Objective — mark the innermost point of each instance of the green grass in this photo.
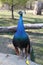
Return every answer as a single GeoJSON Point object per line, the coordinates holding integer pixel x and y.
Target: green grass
{"type": "Point", "coordinates": [7, 22]}
{"type": "Point", "coordinates": [37, 44]}
{"type": "Point", "coordinates": [5, 18]}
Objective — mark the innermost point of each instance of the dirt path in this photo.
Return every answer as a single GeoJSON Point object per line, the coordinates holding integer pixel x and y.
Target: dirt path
{"type": "Point", "coordinates": [6, 45]}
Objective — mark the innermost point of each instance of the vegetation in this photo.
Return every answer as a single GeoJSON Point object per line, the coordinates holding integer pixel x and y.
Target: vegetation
{"type": "Point", "coordinates": [13, 3]}
{"type": "Point", "coordinates": [37, 44]}
{"type": "Point", "coordinates": [5, 18]}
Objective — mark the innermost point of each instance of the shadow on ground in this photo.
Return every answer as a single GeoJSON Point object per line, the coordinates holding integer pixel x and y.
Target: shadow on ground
{"type": "Point", "coordinates": [6, 45]}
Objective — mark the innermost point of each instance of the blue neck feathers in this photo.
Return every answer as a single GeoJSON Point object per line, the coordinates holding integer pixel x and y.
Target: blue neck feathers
{"type": "Point", "coordinates": [20, 27]}
{"type": "Point", "coordinates": [20, 33]}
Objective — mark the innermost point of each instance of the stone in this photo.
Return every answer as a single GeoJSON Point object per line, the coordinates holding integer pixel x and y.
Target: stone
{"type": "Point", "coordinates": [9, 59]}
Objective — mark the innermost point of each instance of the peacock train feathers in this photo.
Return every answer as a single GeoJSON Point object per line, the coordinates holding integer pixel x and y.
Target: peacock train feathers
{"type": "Point", "coordinates": [21, 38]}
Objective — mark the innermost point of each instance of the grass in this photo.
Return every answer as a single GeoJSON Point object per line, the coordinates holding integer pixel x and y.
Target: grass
{"type": "Point", "coordinates": [5, 18]}
{"type": "Point", "coordinates": [36, 35]}
{"type": "Point", "coordinates": [37, 44]}
{"type": "Point", "coordinates": [7, 22]}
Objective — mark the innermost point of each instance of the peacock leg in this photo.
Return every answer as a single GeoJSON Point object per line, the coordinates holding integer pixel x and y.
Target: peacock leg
{"type": "Point", "coordinates": [26, 51]}
{"type": "Point", "coordinates": [16, 50]}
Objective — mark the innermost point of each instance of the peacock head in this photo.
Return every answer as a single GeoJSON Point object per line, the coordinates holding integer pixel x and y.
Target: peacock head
{"type": "Point", "coordinates": [20, 13]}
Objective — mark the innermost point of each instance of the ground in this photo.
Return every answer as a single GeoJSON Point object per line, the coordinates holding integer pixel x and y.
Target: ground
{"type": "Point", "coordinates": [6, 44]}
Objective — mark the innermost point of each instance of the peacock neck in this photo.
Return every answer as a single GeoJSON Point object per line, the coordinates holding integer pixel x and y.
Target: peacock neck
{"type": "Point", "coordinates": [20, 33]}
{"type": "Point", "coordinates": [20, 27]}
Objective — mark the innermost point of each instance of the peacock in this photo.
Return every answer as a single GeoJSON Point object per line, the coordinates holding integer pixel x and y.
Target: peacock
{"type": "Point", "coordinates": [21, 39]}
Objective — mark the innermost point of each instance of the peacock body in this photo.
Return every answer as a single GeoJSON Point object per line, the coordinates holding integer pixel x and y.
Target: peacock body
{"type": "Point", "coordinates": [21, 38]}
